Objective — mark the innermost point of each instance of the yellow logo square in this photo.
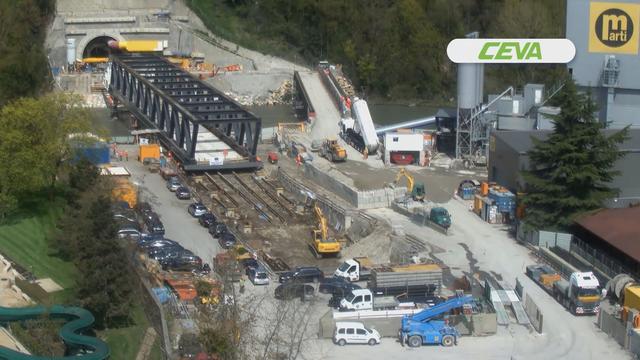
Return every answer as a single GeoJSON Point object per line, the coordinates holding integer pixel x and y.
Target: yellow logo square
{"type": "Point", "coordinates": [614, 27]}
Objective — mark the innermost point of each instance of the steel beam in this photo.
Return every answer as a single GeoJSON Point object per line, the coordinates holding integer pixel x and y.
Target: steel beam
{"type": "Point", "coordinates": [176, 103]}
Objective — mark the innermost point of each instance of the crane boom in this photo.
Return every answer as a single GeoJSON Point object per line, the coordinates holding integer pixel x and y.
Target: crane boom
{"type": "Point", "coordinates": [441, 308]}
{"type": "Point", "coordinates": [410, 180]}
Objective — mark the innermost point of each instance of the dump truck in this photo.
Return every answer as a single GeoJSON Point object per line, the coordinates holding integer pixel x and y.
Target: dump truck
{"type": "Point", "coordinates": [580, 295]}
{"type": "Point", "coordinates": [428, 328]}
{"type": "Point", "coordinates": [332, 151]}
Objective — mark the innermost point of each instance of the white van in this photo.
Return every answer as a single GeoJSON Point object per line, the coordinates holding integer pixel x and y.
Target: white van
{"type": "Point", "coordinates": [355, 333]}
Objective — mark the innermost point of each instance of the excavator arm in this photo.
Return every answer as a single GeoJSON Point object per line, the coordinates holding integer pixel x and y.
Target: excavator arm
{"type": "Point", "coordinates": [322, 223]}
{"type": "Point", "coordinates": [410, 180]}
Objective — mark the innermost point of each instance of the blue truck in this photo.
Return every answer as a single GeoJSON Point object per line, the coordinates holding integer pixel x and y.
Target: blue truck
{"type": "Point", "coordinates": [423, 328]}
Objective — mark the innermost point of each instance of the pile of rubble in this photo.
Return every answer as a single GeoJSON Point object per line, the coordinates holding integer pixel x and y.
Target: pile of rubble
{"type": "Point", "coordinates": [346, 86]}
{"type": "Point", "coordinates": [94, 101]}
{"type": "Point", "coordinates": [282, 95]}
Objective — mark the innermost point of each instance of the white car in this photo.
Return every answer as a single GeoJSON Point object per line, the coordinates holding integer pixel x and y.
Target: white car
{"type": "Point", "coordinates": [258, 276]}
{"type": "Point", "coordinates": [355, 333]}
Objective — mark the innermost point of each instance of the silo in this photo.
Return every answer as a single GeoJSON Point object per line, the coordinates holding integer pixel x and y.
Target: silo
{"type": "Point", "coordinates": [71, 51]}
{"type": "Point", "coordinates": [467, 86]}
{"type": "Point", "coordinates": [479, 83]}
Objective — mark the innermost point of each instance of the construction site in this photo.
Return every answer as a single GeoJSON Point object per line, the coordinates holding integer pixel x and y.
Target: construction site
{"type": "Point", "coordinates": [408, 234]}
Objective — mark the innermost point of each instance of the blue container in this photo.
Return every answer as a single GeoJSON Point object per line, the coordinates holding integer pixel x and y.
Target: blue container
{"type": "Point", "coordinates": [97, 154]}
{"type": "Point", "coordinates": [467, 193]}
{"type": "Point", "coordinates": [505, 201]}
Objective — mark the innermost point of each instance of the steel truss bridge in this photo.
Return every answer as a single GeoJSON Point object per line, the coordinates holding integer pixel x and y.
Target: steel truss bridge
{"type": "Point", "coordinates": [204, 129]}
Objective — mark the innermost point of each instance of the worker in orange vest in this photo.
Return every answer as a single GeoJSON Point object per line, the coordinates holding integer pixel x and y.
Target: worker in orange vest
{"type": "Point", "coordinates": [299, 160]}
{"type": "Point", "coordinates": [365, 154]}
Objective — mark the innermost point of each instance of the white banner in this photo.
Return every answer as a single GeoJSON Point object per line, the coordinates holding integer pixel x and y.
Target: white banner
{"type": "Point", "coordinates": [542, 51]}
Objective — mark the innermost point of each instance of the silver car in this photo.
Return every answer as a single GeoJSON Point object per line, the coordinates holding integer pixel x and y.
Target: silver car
{"type": "Point", "coordinates": [173, 183]}
{"type": "Point", "coordinates": [258, 276]}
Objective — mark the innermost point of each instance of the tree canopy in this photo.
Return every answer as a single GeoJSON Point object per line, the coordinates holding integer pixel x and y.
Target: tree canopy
{"type": "Point", "coordinates": [391, 49]}
{"type": "Point", "coordinates": [571, 171]}
{"type": "Point", "coordinates": [34, 141]}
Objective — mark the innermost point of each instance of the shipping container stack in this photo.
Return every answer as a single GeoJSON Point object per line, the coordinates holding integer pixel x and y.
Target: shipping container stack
{"type": "Point", "coordinates": [495, 204]}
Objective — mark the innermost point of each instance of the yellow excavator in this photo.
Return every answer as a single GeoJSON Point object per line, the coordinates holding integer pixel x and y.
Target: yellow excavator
{"type": "Point", "coordinates": [323, 245]}
{"type": "Point", "coordinates": [415, 189]}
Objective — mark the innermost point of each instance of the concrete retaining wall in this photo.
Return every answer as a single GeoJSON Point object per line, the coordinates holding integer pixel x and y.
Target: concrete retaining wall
{"type": "Point", "coordinates": [534, 313]}
{"type": "Point", "coordinates": [359, 199]}
{"type": "Point", "coordinates": [613, 327]}
{"type": "Point", "coordinates": [338, 217]}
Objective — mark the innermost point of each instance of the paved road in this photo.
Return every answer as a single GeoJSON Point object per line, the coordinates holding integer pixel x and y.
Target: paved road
{"type": "Point", "coordinates": [327, 114]}
{"type": "Point", "coordinates": [179, 225]}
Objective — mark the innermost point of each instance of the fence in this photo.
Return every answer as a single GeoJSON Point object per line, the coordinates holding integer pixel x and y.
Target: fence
{"type": "Point", "coordinates": [547, 239]}
{"type": "Point", "coordinates": [601, 261]}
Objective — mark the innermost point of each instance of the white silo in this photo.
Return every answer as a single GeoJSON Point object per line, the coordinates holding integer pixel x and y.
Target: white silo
{"type": "Point", "coordinates": [71, 51]}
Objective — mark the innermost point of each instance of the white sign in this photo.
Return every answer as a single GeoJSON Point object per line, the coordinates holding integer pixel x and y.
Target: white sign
{"type": "Point", "coordinates": [216, 159]}
{"type": "Point", "coordinates": [144, 141]}
{"type": "Point", "coordinates": [542, 51]}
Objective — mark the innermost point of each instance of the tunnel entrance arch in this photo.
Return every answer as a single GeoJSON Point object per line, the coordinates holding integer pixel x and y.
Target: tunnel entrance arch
{"type": "Point", "coordinates": [98, 47]}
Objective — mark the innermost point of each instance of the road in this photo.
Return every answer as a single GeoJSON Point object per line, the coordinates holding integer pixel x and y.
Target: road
{"type": "Point", "coordinates": [327, 114]}
{"type": "Point", "coordinates": [179, 225]}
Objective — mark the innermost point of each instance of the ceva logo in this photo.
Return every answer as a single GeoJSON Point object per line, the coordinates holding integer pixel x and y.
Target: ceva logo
{"type": "Point", "coordinates": [511, 50]}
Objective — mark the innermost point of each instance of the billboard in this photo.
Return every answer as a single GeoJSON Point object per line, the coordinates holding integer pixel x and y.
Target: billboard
{"type": "Point", "coordinates": [614, 27]}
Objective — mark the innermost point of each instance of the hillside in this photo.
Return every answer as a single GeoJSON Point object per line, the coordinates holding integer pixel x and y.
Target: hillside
{"type": "Point", "coordinates": [391, 49]}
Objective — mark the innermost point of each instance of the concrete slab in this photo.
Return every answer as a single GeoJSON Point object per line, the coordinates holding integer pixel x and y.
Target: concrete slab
{"type": "Point", "coordinates": [48, 285]}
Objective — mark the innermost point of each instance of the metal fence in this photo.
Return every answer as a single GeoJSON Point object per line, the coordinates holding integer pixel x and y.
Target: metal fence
{"type": "Point", "coordinates": [599, 260]}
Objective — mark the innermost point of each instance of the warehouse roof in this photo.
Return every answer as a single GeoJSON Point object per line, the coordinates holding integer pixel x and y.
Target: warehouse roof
{"type": "Point", "coordinates": [617, 227]}
{"type": "Point", "coordinates": [521, 142]}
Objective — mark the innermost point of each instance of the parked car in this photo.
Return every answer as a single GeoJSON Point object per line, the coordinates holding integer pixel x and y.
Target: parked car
{"type": "Point", "coordinates": [348, 332]}
{"type": "Point", "coordinates": [197, 209]}
{"type": "Point", "coordinates": [166, 254]}
{"type": "Point", "coordinates": [146, 238]}
{"type": "Point", "coordinates": [336, 284]}
{"type": "Point", "coordinates": [126, 224]}
{"type": "Point", "coordinates": [207, 219]}
{"type": "Point", "coordinates": [294, 290]}
{"type": "Point", "coordinates": [144, 208]}
{"type": "Point", "coordinates": [248, 264]}
{"type": "Point", "coordinates": [183, 193]}
{"type": "Point", "coordinates": [132, 234]}
{"type": "Point", "coordinates": [218, 229]}
{"type": "Point", "coordinates": [158, 244]}
{"type": "Point", "coordinates": [227, 240]}
{"type": "Point", "coordinates": [258, 275]}
{"type": "Point", "coordinates": [183, 261]}
{"type": "Point", "coordinates": [302, 274]}
{"type": "Point", "coordinates": [153, 224]}
{"type": "Point", "coordinates": [173, 183]}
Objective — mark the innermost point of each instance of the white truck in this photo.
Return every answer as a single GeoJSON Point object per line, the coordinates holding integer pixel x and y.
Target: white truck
{"type": "Point", "coordinates": [356, 269]}
{"type": "Point", "coordinates": [363, 299]}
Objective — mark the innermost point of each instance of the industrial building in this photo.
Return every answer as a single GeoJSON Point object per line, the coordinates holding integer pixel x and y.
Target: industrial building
{"type": "Point", "coordinates": [605, 34]}
{"type": "Point", "coordinates": [508, 158]}
{"type": "Point", "coordinates": [404, 148]}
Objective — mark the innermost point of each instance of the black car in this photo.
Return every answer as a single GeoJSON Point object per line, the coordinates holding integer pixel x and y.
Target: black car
{"type": "Point", "coordinates": [207, 219]}
{"type": "Point", "coordinates": [126, 224]}
{"type": "Point", "coordinates": [146, 238]}
{"type": "Point", "coordinates": [294, 290]}
{"type": "Point", "coordinates": [183, 261]}
{"type": "Point", "coordinates": [153, 224]}
{"type": "Point", "coordinates": [336, 284]}
{"type": "Point", "coordinates": [165, 255]}
{"type": "Point", "coordinates": [158, 244]}
{"type": "Point", "coordinates": [227, 240]}
{"type": "Point", "coordinates": [248, 264]}
{"type": "Point", "coordinates": [218, 229]}
{"type": "Point", "coordinates": [144, 208]}
{"type": "Point", "coordinates": [183, 193]}
{"type": "Point", "coordinates": [302, 274]}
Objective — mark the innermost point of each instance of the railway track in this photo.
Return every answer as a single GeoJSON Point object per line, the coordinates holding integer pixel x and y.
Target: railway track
{"type": "Point", "coordinates": [276, 210]}
{"type": "Point", "coordinates": [272, 194]}
{"type": "Point", "coordinates": [222, 191]}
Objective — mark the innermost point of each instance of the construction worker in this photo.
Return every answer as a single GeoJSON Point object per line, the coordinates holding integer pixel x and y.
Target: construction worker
{"type": "Point", "coordinates": [365, 153]}
{"type": "Point", "coordinates": [126, 155]}
{"type": "Point", "coordinates": [298, 160]}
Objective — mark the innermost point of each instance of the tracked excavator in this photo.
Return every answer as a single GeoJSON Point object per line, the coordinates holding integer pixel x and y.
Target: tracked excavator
{"type": "Point", "coordinates": [322, 245]}
{"type": "Point", "coordinates": [415, 189]}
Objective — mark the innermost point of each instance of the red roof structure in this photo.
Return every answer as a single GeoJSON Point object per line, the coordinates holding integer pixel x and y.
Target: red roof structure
{"type": "Point", "coordinates": [619, 228]}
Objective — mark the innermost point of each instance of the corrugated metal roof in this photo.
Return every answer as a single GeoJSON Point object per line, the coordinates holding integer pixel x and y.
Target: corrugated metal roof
{"type": "Point", "coordinates": [618, 227]}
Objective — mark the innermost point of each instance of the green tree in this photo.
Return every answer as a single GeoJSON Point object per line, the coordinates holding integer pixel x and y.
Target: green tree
{"type": "Point", "coordinates": [571, 171]}
{"type": "Point", "coordinates": [34, 143]}
{"type": "Point", "coordinates": [105, 285]}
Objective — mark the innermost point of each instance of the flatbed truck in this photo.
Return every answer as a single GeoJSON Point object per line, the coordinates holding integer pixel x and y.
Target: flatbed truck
{"type": "Point", "coordinates": [580, 295]}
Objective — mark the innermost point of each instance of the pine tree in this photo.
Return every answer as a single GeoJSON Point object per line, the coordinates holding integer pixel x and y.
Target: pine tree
{"type": "Point", "coordinates": [572, 170]}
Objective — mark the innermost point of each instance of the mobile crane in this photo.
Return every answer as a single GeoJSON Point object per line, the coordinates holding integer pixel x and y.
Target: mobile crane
{"type": "Point", "coordinates": [422, 328]}
{"type": "Point", "coordinates": [322, 244]}
{"type": "Point", "coordinates": [415, 189]}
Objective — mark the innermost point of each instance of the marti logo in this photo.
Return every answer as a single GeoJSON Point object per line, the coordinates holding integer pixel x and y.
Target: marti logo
{"type": "Point", "coordinates": [614, 27]}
